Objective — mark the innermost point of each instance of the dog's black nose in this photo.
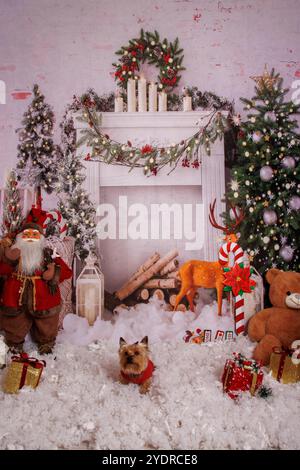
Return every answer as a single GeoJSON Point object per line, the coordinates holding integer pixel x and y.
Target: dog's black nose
{"type": "Point", "coordinates": [129, 359]}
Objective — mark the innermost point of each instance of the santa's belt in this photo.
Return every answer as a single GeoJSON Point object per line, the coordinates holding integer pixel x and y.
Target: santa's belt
{"type": "Point", "coordinates": [25, 285]}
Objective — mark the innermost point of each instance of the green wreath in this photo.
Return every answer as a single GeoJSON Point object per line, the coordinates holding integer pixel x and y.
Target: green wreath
{"type": "Point", "coordinates": [167, 56]}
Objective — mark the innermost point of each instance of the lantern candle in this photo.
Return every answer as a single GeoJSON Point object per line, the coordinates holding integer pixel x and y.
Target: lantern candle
{"type": "Point", "coordinates": [118, 102]}
{"type": "Point", "coordinates": [187, 102]}
{"type": "Point", "coordinates": [142, 94]}
{"type": "Point", "coordinates": [90, 291]}
{"type": "Point", "coordinates": [131, 96]}
{"type": "Point", "coordinates": [152, 97]}
{"type": "Point", "coordinates": [162, 101]}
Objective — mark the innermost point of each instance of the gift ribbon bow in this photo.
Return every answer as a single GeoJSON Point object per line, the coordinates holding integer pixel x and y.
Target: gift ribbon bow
{"type": "Point", "coordinates": [249, 364]}
{"type": "Point", "coordinates": [31, 361]}
{"type": "Point", "coordinates": [284, 353]}
{"type": "Point", "coordinates": [27, 361]}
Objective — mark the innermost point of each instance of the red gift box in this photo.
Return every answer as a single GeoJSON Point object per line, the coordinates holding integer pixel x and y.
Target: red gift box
{"type": "Point", "coordinates": [241, 375]}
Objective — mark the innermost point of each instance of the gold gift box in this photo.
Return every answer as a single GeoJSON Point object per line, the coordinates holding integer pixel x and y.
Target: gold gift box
{"type": "Point", "coordinates": [12, 382]}
{"type": "Point", "coordinates": [283, 368]}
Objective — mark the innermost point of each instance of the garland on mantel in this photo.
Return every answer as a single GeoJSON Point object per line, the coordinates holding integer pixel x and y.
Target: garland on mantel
{"type": "Point", "coordinates": [149, 157]}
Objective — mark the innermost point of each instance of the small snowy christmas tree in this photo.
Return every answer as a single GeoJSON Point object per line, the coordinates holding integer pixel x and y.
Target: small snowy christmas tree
{"type": "Point", "coordinates": [12, 213]}
{"type": "Point", "coordinates": [74, 203]}
{"type": "Point", "coordinates": [37, 154]}
{"type": "Point", "coordinates": [266, 179]}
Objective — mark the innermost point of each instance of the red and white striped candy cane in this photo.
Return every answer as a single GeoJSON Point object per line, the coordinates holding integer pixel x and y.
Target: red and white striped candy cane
{"type": "Point", "coordinates": [230, 247]}
{"type": "Point", "coordinates": [56, 215]}
{"type": "Point", "coordinates": [239, 315]}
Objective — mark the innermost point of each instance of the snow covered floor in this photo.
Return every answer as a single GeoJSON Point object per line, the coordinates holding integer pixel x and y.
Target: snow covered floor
{"type": "Point", "coordinates": [80, 404]}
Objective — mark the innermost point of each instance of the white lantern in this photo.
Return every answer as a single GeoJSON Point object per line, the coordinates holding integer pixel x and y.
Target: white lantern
{"type": "Point", "coordinates": [90, 291]}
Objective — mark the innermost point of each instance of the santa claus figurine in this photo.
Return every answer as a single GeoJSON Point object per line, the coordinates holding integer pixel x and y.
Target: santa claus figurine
{"type": "Point", "coordinates": [30, 298]}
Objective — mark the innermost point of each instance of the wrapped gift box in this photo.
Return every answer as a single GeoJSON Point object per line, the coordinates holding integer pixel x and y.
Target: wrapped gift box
{"type": "Point", "coordinates": [241, 375]}
{"type": "Point", "coordinates": [23, 371]}
{"type": "Point", "coordinates": [284, 366]}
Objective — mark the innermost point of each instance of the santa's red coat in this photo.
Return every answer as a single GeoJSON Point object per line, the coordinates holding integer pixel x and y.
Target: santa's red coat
{"type": "Point", "coordinates": [44, 300]}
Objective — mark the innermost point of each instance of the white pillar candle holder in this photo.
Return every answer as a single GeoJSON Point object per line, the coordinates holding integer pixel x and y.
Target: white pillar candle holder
{"type": "Point", "coordinates": [162, 101]}
{"type": "Point", "coordinates": [152, 97]}
{"type": "Point", "coordinates": [131, 95]}
{"type": "Point", "coordinates": [119, 103]}
{"type": "Point", "coordinates": [142, 94]}
{"type": "Point", "coordinates": [187, 103]}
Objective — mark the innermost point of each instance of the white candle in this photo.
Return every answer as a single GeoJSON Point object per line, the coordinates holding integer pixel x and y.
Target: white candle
{"type": "Point", "coordinates": [119, 104]}
{"type": "Point", "coordinates": [142, 94]}
{"type": "Point", "coordinates": [90, 304]}
{"type": "Point", "coordinates": [187, 103]}
{"type": "Point", "coordinates": [162, 101]}
{"type": "Point", "coordinates": [152, 97]}
{"type": "Point", "coordinates": [131, 96]}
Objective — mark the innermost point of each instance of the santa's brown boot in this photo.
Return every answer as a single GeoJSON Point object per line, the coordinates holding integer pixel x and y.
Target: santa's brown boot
{"type": "Point", "coordinates": [46, 348]}
{"type": "Point", "coordinates": [14, 348]}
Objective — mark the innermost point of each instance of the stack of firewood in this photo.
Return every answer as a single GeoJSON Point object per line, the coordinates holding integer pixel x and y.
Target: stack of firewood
{"type": "Point", "coordinates": [156, 277]}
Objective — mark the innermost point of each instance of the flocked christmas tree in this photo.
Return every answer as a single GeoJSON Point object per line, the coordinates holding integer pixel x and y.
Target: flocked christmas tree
{"type": "Point", "coordinates": [12, 213]}
{"type": "Point", "coordinates": [265, 182]}
{"type": "Point", "coordinates": [37, 153]}
{"type": "Point", "coordinates": [74, 203]}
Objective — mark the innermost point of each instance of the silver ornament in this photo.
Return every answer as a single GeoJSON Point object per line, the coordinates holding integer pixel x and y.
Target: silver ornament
{"type": "Point", "coordinates": [288, 162]}
{"type": "Point", "coordinates": [256, 136]}
{"type": "Point", "coordinates": [266, 173]}
{"type": "Point", "coordinates": [286, 253]}
{"type": "Point", "coordinates": [269, 217]}
{"type": "Point", "coordinates": [294, 203]}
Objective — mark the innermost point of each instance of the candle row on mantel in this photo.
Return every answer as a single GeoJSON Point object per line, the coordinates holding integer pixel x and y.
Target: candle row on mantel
{"type": "Point", "coordinates": [139, 101]}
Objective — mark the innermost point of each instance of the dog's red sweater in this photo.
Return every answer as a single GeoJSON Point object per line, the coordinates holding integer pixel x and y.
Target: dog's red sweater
{"type": "Point", "coordinates": [140, 379]}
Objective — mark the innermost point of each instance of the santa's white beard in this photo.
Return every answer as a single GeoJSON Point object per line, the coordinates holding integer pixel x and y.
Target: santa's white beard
{"type": "Point", "coordinates": [32, 254]}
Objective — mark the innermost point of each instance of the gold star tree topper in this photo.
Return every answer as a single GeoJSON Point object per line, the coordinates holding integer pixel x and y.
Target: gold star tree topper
{"type": "Point", "coordinates": [265, 80]}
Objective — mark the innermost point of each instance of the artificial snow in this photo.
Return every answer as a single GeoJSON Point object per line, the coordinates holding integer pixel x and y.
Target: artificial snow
{"type": "Point", "coordinates": [80, 403]}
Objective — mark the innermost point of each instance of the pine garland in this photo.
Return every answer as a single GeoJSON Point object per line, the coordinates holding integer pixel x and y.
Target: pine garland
{"type": "Point", "coordinates": [151, 158]}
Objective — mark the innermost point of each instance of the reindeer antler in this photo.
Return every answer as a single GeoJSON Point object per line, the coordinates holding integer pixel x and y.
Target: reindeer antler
{"type": "Point", "coordinates": [212, 218]}
{"type": "Point", "coordinates": [238, 218]}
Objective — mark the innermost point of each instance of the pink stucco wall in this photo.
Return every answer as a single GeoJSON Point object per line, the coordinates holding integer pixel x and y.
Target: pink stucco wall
{"type": "Point", "coordinates": [68, 45]}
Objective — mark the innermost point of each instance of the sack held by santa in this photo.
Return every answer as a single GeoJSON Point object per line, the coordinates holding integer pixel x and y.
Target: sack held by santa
{"type": "Point", "coordinates": [30, 299]}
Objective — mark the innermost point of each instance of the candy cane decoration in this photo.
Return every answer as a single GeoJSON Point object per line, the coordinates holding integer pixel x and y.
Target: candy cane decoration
{"type": "Point", "coordinates": [56, 215]}
{"type": "Point", "coordinates": [231, 247]}
{"type": "Point", "coordinates": [239, 314]}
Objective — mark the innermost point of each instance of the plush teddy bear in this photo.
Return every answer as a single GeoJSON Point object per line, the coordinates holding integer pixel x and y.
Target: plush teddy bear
{"type": "Point", "coordinates": [279, 325]}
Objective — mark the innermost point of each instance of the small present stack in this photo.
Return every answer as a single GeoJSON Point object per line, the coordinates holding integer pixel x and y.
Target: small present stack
{"type": "Point", "coordinates": [285, 365]}
{"type": "Point", "coordinates": [241, 375]}
{"type": "Point", "coordinates": [23, 371]}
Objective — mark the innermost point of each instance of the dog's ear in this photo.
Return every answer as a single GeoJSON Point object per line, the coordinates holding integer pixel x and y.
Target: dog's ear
{"type": "Point", "coordinates": [122, 342]}
{"type": "Point", "coordinates": [145, 341]}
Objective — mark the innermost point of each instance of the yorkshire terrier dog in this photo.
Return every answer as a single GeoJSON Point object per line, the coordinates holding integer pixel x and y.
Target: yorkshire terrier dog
{"type": "Point", "coordinates": [136, 366]}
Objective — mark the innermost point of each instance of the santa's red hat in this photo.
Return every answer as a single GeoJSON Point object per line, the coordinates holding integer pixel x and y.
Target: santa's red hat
{"type": "Point", "coordinates": [35, 219]}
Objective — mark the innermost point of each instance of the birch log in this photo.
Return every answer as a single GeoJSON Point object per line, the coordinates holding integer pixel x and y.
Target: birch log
{"type": "Point", "coordinates": [161, 283]}
{"type": "Point", "coordinates": [130, 287]}
{"type": "Point", "coordinates": [146, 265]}
{"type": "Point", "coordinates": [172, 266]}
{"type": "Point", "coordinates": [159, 294]}
{"type": "Point", "coordinates": [172, 299]}
{"type": "Point", "coordinates": [142, 294]}
{"type": "Point", "coordinates": [173, 275]}
{"type": "Point", "coordinates": [181, 308]}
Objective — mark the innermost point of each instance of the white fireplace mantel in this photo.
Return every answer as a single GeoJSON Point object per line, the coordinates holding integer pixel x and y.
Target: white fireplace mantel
{"type": "Point", "coordinates": [162, 129]}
